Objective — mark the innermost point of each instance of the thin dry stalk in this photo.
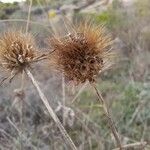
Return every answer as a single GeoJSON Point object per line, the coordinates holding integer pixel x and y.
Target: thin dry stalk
{"type": "Point", "coordinates": [79, 92]}
{"type": "Point", "coordinates": [136, 112]}
{"type": "Point", "coordinates": [20, 133]}
{"type": "Point", "coordinates": [19, 105]}
{"type": "Point", "coordinates": [63, 99]}
{"type": "Point", "coordinates": [109, 118]}
{"type": "Point", "coordinates": [47, 16]}
{"type": "Point", "coordinates": [133, 145]}
{"type": "Point", "coordinates": [51, 111]}
{"type": "Point", "coordinates": [22, 105]}
{"type": "Point", "coordinates": [22, 79]}
{"type": "Point", "coordinates": [23, 20]}
{"type": "Point", "coordinates": [29, 15]}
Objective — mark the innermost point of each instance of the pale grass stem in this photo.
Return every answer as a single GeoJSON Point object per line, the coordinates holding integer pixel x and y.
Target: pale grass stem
{"type": "Point", "coordinates": [29, 16]}
{"type": "Point", "coordinates": [109, 118]}
{"type": "Point", "coordinates": [21, 135]}
{"type": "Point", "coordinates": [22, 104]}
{"type": "Point", "coordinates": [51, 111]}
{"type": "Point", "coordinates": [63, 99]}
{"type": "Point", "coordinates": [23, 74]}
{"type": "Point", "coordinates": [134, 145]}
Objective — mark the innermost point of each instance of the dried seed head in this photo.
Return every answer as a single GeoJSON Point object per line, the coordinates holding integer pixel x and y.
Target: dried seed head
{"type": "Point", "coordinates": [82, 55]}
{"type": "Point", "coordinates": [17, 51]}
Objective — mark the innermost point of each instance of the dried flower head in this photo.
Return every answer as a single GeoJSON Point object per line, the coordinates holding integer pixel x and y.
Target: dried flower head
{"type": "Point", "coordinates": [17, 51]}
{"type": "Point", "coordinates": [82, 55]}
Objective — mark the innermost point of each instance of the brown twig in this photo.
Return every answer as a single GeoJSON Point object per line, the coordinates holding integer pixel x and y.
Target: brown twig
{"type": "Point", "coordinates": [109, 118]}
{"type": "Point", "coordinates": [51, 111]}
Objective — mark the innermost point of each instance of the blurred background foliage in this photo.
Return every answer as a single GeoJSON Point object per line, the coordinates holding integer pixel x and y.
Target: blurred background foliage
{"type": "Point", "coordinates": [7, 9]}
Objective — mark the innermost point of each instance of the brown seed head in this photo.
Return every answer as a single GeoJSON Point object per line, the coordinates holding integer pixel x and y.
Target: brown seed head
{"type": "Point", "coordinates": [17, 51]}
{"type": "Point", "coordinates": [82, 55]}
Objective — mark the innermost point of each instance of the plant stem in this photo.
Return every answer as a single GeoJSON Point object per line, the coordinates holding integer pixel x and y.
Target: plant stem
{"type": "Point", "coordinates": [63, 99]}
{"type": "Point", "coordinates": [29, 15]}
{"type": "Point", "coordinates": [22, 105]}
{"type": "Point", "coordinates": [51, 111]}
{"type": "Point", "coordinates": [22, 81]}
{"type": "Point", "coordinates": [134, 145]}
{"type": "Point", "coordinates": [109, 118]}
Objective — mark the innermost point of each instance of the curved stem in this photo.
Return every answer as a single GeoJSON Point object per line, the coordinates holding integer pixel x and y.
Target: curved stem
{"type": "Point", "coordinates": [109, 118]}
{"type": "Point", "coordinates": [51, 111]}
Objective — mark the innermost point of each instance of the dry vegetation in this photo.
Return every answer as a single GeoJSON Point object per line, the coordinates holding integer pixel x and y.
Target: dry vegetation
{"type": "Point", "coordinates": [26, 124]}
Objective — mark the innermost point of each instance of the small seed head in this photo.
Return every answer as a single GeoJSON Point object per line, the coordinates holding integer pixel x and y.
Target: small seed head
{"type": "Point", "coordinates": [17, 51]}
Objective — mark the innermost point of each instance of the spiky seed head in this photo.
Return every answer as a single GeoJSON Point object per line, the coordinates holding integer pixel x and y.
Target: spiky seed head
{"type": "Point", "coordinates": [82, 55]}
{"type": "Point", "coordinates": [17, 51]}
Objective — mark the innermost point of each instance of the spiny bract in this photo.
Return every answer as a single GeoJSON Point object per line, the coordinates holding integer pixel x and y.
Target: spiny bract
{"type": "Point", "coordinates": [82, 55]}
{"type": "Point", "coordinates": [17, 51]}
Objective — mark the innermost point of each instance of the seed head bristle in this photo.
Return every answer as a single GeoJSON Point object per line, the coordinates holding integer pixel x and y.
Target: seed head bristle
{"type": "Point", "coordinates": [17, 51]}
{"type": "Point", "coordinates": [81, 56]}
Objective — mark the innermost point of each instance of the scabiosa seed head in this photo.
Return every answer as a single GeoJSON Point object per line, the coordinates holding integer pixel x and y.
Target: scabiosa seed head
{"type": "Point", "coordinates": [82, 55]}
{"type": "Point", "coordinates": [17, 51]}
